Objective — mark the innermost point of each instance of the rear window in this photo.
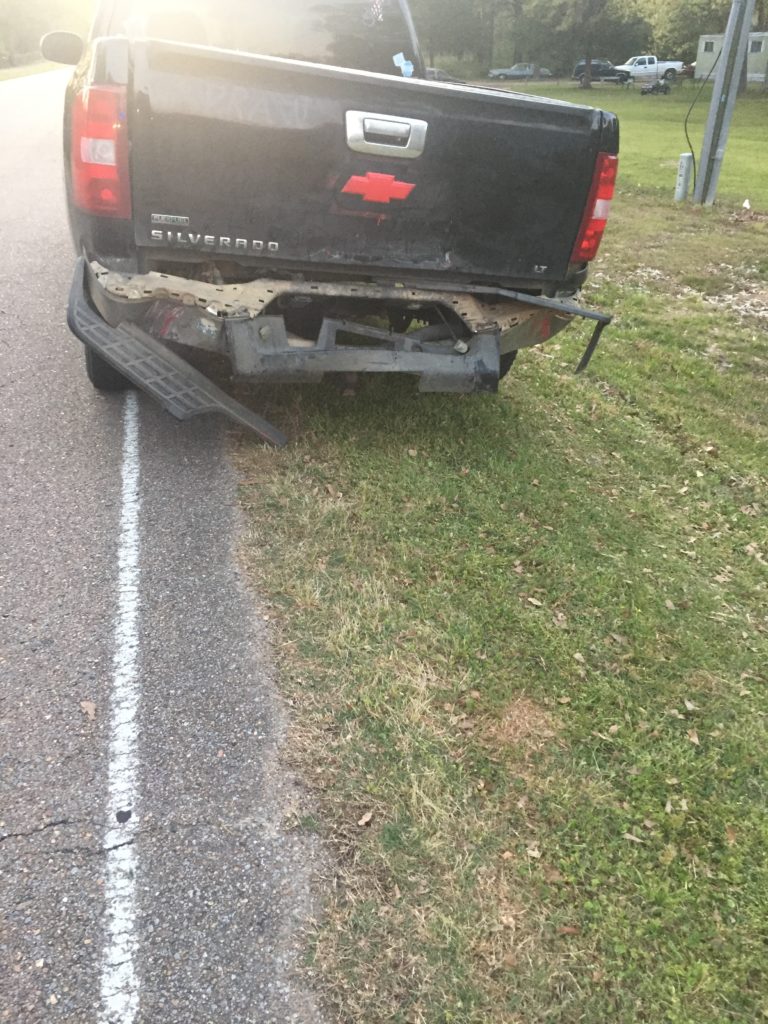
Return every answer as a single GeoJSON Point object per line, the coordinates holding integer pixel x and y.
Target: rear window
{"type": "Point", "coordinates": [367, 35]}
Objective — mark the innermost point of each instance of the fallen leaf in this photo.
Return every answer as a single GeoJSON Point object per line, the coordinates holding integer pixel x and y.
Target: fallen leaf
{"type": "Point", "coordinates": [669, 605]}
{"type": "Point", "coordinates": [730, 835]}
{"type": "Point", "coordinates": [690, 706]}
{"type": "Point", "coordinates": [569, 929]}
{"type": "Point", "coordinates": [535, 602]}
{"type": "Point", "coordinates": [613, 730]}
{"type": "Point", "coordinates": [52, 999]}
{"type": "Point", "coordinates": [366, 819]}
{"type": "Point", "coordinates": [39, 963]}
{"type": "Point", "coordinates": [563, 700]}
{"type": "Point", "coordinates": [413, 452]}
{"type": "Point", "coordinates": [507, 855]}
{"type": "Point", "coordinates": [633, 839]}
{"type": "Point", "coordinates": [534, 852]}
{"type": "Point", "coordinates": [693, 736]}
{"type": "Point", "coordinates": [88, 708]}
{"type": "Point", "coordinates": [553, 876]}
{"type": "Point", "coordinates": [579, 657]}
{"type": "Point", "coordinates": [398, 894]}
{"type": "Point", "coordinates": [668, 806]}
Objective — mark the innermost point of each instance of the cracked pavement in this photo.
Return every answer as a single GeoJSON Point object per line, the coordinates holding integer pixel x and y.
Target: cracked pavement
{"type": "Point", "coordinates": [224, 889]}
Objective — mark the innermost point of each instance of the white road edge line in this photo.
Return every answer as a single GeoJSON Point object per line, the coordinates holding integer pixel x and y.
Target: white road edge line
{"type": "Point", "coordinates": [119, 978]}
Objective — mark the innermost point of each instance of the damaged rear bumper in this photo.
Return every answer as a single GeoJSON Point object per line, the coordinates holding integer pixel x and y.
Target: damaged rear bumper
{"type": "Point", "coordinates": [459, 349]}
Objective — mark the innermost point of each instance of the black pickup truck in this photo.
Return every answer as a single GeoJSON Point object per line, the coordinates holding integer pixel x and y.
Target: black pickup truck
{"type": "Point", "coordinates": [282, 184]}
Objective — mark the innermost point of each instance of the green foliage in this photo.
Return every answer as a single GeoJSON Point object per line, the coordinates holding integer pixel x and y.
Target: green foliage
{"type": "Point", "coordinates": [677, 24]}
{"type": "Point", "coordinates": [555, 33]}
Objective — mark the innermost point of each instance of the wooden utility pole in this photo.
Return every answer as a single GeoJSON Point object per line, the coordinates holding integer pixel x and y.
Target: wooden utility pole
{"type": "Point", "coordinates": [732, 57]}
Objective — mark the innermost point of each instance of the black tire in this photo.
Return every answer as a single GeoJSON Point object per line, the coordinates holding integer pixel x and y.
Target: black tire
{"type": "Point", "coordinates": [670, 75]}
{"type": "Point", "coordinates": [102, 375]}
{"type": "Point", "coordinates": [506, 360]}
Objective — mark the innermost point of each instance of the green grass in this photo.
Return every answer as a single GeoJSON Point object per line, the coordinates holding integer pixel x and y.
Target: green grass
{"type": "Point", "coordinates": [27, 69]}
{"type": "Point", "coordinates": [652, 136]}
{"type": "Point", "coordinates": [528, 635]}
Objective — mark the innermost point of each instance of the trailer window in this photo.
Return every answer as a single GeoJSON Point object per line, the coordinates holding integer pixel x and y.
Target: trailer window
{"type": "Point", "coordinates": [367, 35]}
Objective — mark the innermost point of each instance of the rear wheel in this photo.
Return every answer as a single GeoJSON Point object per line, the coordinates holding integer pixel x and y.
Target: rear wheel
{"type": "Point", "coordinates": [502, 78]}
{"type": "Point", "coordinates": [506, 359]}
{"type": "Point", "coordinates": [670, 74]}
{"type": "Point", "coordinates": [102, 374]}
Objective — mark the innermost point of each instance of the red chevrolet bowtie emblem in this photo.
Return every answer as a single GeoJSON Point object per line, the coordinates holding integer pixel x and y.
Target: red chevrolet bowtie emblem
{"type": "Point", "coordinates": [378, 188]}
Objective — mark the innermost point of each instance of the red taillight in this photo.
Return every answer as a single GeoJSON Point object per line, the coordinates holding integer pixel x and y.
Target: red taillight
{"type": "Point", "coordinates": [99, 156]}
{"type": "Point", "coordinates": [597, 210]}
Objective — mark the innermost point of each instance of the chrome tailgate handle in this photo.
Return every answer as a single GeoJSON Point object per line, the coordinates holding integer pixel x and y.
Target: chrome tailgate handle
{"type": "Point", "coordinates": [386, 135]}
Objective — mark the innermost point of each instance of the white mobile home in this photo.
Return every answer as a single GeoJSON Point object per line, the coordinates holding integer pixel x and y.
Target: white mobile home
{"type": "Point", "coordinates": [757, 56]}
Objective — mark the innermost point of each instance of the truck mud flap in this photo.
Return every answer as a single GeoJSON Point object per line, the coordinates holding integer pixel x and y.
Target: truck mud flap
{"type": "Point", "coordinates": [179, 388]}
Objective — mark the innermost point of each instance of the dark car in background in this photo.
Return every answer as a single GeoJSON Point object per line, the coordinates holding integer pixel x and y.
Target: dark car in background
{"type": "Point", "coordinates": [603, 70]}
{"type": "Point", "coordinates": [520, 71]}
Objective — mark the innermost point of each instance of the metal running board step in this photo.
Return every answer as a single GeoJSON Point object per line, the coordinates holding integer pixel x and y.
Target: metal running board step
{"type": "Point", "coordinates": [181, 389]}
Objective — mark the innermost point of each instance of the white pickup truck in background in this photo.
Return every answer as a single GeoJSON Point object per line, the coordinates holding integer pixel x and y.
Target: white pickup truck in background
{"type": "Point", "coordinates": [649, 67]}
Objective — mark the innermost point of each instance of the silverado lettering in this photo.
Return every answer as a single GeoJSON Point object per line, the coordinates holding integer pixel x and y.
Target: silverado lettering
{"type": "Point", "coordinates": [195, 239]}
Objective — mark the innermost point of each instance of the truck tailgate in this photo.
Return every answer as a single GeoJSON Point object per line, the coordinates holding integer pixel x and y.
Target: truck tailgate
{"type": "Point", "coordinates": [250, 157]}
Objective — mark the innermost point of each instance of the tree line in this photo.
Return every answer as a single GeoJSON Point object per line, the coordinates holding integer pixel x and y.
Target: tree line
{"type": "Point", "coordinates": [556, 33]}
{"type": "Point", "coordinates": [478, 33]}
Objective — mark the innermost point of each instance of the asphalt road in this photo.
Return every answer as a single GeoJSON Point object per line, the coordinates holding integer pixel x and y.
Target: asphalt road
{"type": "Point", "coordinates": [211, 904]}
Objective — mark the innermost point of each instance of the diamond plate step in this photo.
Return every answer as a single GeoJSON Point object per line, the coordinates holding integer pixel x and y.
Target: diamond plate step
{"type": "Point", "coordinates": [181, 389]}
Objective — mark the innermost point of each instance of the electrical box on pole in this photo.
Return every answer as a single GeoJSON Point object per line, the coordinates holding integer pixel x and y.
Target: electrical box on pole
{"type": "Point", "coordinates": [726, 86]}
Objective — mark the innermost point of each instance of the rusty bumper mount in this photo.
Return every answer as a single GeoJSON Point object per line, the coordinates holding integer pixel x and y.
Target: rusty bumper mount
{"type": "Point", "coordinates": [118, 315]}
